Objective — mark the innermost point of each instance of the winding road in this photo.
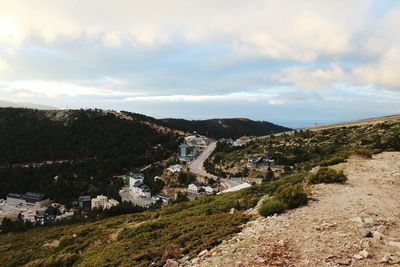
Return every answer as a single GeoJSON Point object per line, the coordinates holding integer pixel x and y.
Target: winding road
{"type": "Point", "coordinates": [197, 166]}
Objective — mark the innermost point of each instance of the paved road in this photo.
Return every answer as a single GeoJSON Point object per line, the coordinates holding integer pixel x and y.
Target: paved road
{"type": "Point", "coordinates": [197, 166]}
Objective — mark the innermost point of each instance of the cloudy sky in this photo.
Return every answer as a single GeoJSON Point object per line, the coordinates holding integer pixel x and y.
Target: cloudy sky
{"type": "Point", "coordinates": [291, 62]}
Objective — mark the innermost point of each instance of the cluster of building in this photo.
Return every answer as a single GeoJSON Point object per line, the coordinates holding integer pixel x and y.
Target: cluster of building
{"type": "Point", "coordinates": [241, 141]}
{"type": "Point", "coordinates": [254, 162]}
{"type": "Point", "coordinates": [99, 202]}
{"type": "Point", "coordinates": [194, 188]}
{"type": "Point", "coordinates": [196, 140]}
{"type": "Point", "coordinates": [31, 207]}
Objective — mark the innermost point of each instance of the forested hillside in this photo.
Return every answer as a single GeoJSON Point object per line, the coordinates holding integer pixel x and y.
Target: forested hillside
{"type": "Point", "coordinates": [226, 128]}
{"type": "Point", "coordinates": [68, 153]}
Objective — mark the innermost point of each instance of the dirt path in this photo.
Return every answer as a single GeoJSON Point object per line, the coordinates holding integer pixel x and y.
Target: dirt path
{"type": "Point", "coordinates": [355, 224]}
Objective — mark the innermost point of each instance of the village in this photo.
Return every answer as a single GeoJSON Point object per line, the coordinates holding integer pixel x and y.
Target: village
{"type": "Point", "coordinates": [179, 184]}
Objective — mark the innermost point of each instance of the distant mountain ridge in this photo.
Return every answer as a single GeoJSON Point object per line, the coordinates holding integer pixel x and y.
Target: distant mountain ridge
{"type": "Point", "coordinates": [10, 104]}
{"type": "Point", "coordinates": [226, 128]}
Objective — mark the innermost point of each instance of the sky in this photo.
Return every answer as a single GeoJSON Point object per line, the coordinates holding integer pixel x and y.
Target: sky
{"type": "Point", "coordinates": [286, 61]}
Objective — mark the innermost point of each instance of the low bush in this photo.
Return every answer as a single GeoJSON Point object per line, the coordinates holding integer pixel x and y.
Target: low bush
{"type": "Point", "coordinates": [327, 175]}
{"type": "Point", "coordinates": [271, 206]}
{"type": "Point", "coordinates": [336, 159]}
{"type": "Point", "coordinates": [364, 152]}
{"type": "Point", "coordinates": [292, 196]}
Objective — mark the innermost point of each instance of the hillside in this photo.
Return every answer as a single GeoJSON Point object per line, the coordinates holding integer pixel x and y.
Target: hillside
{"type": "Point", "coordinates": [353, 224]}
{"type": "Point", "coordinates": [203, 231]}
{"type": "Point", "coordinates": [82, 148]}
{"type": "Point", "coordinates": [305, 149]}
{"type": "Point", "coordinates": [226, 128]}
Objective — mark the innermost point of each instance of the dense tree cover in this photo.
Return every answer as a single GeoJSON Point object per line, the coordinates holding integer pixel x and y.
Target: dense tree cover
{"type": "Point", "coordinates": [28, 135]}
{"type": "Point", "coordinates": [65, 154]}
{"type": "Point", "coordinates": [226, 128]}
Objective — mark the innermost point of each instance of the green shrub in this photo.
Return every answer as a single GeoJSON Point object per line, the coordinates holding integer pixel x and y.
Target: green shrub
{"type": "Point", "coordinates": [364, 152]}
{"type": "Point", "coordinates": [333, 160]}
{"type": "Point", "coordinates": [327, 175]}
{"type": "Point", "coordinates": [271, 206]}
{"type": "Point", "coordinates": [292, 196]}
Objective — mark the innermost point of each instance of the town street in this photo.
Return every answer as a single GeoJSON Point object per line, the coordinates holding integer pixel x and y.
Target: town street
{"type": "Point", "coordinates": [197, 166]}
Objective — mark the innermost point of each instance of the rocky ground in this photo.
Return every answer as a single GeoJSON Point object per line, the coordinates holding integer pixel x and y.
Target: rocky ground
{"type": "Point", "coordinates": [355, 224]}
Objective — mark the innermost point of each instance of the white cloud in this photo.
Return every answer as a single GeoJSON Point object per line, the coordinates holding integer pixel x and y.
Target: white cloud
{"type": "Point", "coordinates": [3, 65]}
{"type": "Point", "coordinates": [315, 78]}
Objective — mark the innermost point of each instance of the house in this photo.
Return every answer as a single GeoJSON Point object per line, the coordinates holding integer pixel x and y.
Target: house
{"type": "Point", "coordinates": [99, 202]}
{"type": "Point", "coordinates": [242, 141]}
{"type": "Point", "coordinates": [185, 153]}
{"type": "Point", "coordinates": [194, 188]}
{"type": "Point", "coordinates": [102, 202]}
{"type": "Point", "coordinates": [135, 177]}
{"type": "Point", "coordinates": [85, 202]}
{"type": "Point", "coordinates": [174, 169]}
{"type": "Point", "coordinates": [257, 161]}
{"type": "Point", "coordinates": [196, 140]}
{"type": "Point", "coordinates": [140, 189]}
{"type": "Point", "coordinates": [210, 190]}
{"type": "Point", "coordinates": [226, 140]}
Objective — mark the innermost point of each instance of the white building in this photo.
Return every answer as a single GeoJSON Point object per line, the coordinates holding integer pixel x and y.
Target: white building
{"type": "Point", "coordinates": [196, 140]}
{"type": "Point", "coordinates": [140, 189]}
{"type": "Point", "coordinates": [193, 188]}
{"type": "Point", "coordinates": [174, 169]}
{"type": "Point", "coordinates": [242, 141]}
{"type": "Point", "coordinates": [102, 202]}
{"type": "Point", "coordinates": [99, 202]}
{"type": "Point", "coordinates": [209, 190]}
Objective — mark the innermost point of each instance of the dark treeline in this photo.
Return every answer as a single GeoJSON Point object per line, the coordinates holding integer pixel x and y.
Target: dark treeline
{"type": "Point", "coordinates": [95, 146]}
{"type": "Point", "coordinates": [28, 135]}
{"type": "Point", "coordinates": [226, 128]}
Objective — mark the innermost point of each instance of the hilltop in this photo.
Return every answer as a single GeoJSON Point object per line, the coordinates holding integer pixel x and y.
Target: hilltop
{"type": "Point", "coordinates": [226, 128]}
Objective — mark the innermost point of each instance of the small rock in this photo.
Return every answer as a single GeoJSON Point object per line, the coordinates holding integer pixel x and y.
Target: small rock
{"type": "Point", "coordinates": [171, 263]}
{"type": "Point", "coordinates": [357, 220]}
{"type": "Point", "coordinates": [280, 243]}
{"type": "Point", "coordinates": [394, 244]}
{"type": "Point", "coordinates": [381, 229]}
{"type": "Point", "coordinates": [369, 222]}
{"type": "Point", "coordinates": [232, 211]}
{"type": "Point", "coordinates": [361, 255]}
{"type": "Point", "coordinates": [377, 236]}
{"type": "Point", "coordinates": [203, 253]}
{"type": "Point", "coordinates": [364, 253]}
{"type": "Point", "coordinates": [184, 259]}
{"type": "Point", "coordinates": [385, 258]}
{"type": "Point", "coordinates": [343, 261]}
{"type": "Point", "coordinates": [74, 235]}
